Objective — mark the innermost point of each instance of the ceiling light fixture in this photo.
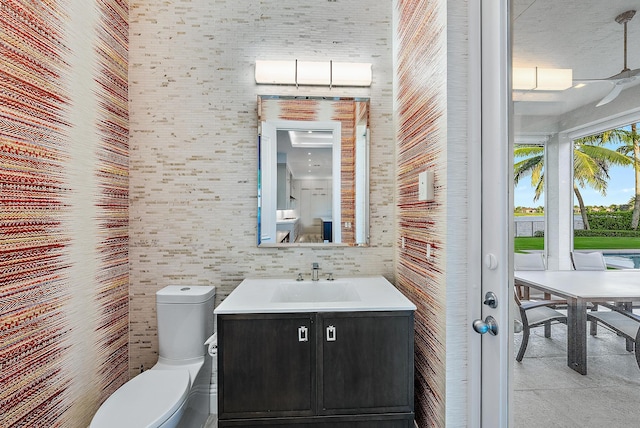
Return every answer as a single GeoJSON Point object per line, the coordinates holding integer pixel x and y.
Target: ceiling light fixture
{"type": "Point", "coordinates": [542, 79]}
{"type": "Point", "coordinates": [322, 73]}
{"type": "Point", "coordinates": [313, 140]}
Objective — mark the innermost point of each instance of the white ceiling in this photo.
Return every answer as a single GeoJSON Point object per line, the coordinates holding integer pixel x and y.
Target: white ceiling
{"type": "Point", "coordinates": [306, 163]}
{"type": "Point", "coordinates": [578, 34]}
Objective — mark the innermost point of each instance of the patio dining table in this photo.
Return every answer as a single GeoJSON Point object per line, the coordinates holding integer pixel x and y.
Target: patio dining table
{"type": "Point", "coordinates": [579, 288]}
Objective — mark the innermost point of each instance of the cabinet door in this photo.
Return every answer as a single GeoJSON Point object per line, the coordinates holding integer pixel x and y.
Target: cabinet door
{"type": "Point", "coordinates": [366, 362]}
{"type": "Point", "coordinates": [266, 365]}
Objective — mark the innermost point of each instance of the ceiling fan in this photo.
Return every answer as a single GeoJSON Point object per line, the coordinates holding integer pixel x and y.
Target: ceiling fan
{"type": "Point", "coordinates": [626, 76]}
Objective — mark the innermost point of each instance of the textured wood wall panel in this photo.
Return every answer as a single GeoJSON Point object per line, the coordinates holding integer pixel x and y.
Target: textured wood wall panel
{"type": "Point", "coordinates": [422, 135]}
{"type": "Point", "coordinates": [64, 220]}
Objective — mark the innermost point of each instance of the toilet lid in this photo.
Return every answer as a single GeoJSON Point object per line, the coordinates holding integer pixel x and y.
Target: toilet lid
{"type": "Point", "coordinates": [147, 400]}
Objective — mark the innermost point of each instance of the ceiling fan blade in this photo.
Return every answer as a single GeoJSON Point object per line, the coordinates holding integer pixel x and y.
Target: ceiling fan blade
{"type": "Point", "coordinates": [626, 75]}
{"type": "Point", "coordinates": [611, 95]}
{"type": "Point", "coordinates": [585, 81]}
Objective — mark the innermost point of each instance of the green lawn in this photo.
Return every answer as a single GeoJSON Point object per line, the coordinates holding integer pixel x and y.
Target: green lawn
{"type": "Point", "coordinates": [582, 243]}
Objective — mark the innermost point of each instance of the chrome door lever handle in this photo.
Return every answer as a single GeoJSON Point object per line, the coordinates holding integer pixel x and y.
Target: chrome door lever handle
{"type": "Point", "coordinates": [488, 325]}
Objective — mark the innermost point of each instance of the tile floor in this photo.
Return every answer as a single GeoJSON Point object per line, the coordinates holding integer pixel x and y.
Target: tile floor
{"type": "Point", "coordinates": [212, 422]}
{"type": "Point", "coordinates": [547, 393]}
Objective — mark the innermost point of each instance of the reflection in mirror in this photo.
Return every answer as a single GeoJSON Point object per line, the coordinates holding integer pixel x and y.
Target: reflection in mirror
{"type": "Point", "coordinates": [313, 178]}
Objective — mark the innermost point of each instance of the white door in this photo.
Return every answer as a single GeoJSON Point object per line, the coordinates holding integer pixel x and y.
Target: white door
{"type": "Point", "coordinates": [495, 246]}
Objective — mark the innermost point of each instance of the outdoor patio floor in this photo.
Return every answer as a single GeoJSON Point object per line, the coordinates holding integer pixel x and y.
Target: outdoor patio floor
{"type": "Point", "coordinates": [547, 393]}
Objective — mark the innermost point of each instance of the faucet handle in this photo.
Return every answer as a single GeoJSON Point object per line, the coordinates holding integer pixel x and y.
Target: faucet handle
{"type": "Point", "coordinates": [315, 266]}
{"type": "Point", "coordinates": [299, 278]}
{"type": "Point", "coordinates": [330, 277]}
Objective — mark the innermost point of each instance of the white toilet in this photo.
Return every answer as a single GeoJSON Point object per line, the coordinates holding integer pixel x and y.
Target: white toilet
{"type": "Point", "coordinates": [174, 392]}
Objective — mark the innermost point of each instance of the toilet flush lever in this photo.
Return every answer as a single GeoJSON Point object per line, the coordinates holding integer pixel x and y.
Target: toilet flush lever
{"type": "Point", "coordinates": [303, 333]}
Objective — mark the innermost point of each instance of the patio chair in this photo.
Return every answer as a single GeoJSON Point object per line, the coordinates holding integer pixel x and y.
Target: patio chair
{"type": "Point", "coordinates": [621, 321]}
{"type": "Point", "coordinates": [589, 261]}
{"type": "Point", "coordinates": [531, 261]}
{"type": "Point", "coordinates": [535, 314]}
{"type": "Point", "coordinates": [527, 261]}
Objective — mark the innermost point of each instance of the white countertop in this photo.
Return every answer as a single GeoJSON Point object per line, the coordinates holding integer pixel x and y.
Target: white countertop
{"type": "Point", "coordinates": [368, 293]}
{"type": "Point", "coordinates": [287, 220]}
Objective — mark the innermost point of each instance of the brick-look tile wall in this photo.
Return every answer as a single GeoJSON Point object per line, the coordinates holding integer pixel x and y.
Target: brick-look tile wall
{"type": "Point", "coordinates": [193, 146]}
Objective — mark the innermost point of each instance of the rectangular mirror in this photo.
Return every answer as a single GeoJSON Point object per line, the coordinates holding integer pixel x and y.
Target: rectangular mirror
{"type": "Point", "coordinates": [313, 171]}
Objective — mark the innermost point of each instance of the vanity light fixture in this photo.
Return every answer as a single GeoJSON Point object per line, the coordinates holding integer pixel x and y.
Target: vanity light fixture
{"type": "Point", "coordinates": [313, 73]}
{"type": "Point", "coordinates": [323, 73]}
{"type": "Point", "coordinates": [542, 79]}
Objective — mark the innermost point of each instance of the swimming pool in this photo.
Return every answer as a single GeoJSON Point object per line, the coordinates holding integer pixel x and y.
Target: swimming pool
{"type": "Point", "coordinates": [626, 260]}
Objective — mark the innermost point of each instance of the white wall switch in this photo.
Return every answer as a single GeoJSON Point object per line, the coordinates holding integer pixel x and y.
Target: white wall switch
{"type": "Point", "coordinates": [426, 186]}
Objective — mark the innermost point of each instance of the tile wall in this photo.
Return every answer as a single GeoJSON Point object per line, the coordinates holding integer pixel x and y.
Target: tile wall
{"type": "Point", "coordinates": [193, 103]}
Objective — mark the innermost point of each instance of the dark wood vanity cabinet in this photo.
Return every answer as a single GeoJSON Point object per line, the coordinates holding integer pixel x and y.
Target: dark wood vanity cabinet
{"type": "Point", "coordinates": [339, 369]}
{"type": "Point", "coordinates": [365, 363]}
{"type": "Point", "coordinates": [266, 365]}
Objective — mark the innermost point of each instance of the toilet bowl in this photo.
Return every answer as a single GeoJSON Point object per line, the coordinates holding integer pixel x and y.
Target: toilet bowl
{"type": "Point", "coordinates": [155, 398]}
{"type": "Point", "coordinates": [175, 391]}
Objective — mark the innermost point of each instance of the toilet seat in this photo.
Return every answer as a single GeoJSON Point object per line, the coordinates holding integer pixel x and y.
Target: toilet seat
{"type": "Point", "coordinates": [147, 400]}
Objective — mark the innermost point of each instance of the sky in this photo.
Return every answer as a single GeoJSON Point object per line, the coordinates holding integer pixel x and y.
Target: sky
{"type": "Point", "coordinates": [621, 188]}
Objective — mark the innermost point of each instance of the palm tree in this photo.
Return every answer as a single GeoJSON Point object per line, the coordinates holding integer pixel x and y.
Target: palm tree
{"type": "Point", "coordinates": [591, 163]}
{"type": "Point", "coordinates": [630, 147]}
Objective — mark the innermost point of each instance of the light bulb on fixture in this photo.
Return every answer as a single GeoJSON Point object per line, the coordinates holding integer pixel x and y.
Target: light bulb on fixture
{"type": "Point", "coordinates": [542, 79]}
{"type": "Point", "coordinates": [313, 73]}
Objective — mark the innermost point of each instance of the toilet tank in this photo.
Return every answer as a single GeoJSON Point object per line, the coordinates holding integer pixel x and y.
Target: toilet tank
{"type": "Point", "coordinates": [185, 320]}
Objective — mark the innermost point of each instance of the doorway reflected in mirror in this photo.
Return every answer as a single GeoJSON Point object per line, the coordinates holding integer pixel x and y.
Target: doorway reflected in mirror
{"type": "Point", "coordinates": [313, 178]}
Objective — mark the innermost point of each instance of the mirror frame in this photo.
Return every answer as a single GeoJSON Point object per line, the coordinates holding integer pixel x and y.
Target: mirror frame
{"type": "Point", "coordinates": [351, 115]}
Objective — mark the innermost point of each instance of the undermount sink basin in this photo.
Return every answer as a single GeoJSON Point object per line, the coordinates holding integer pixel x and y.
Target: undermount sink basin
{"type": "Point", "coordinates": [286, 295]}
{"type": "Point", "coordinates": [321, 291]}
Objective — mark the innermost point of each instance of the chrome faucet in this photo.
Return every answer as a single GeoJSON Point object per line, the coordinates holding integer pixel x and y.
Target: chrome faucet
{"type": "Point", "coordinates": [314, 272]}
